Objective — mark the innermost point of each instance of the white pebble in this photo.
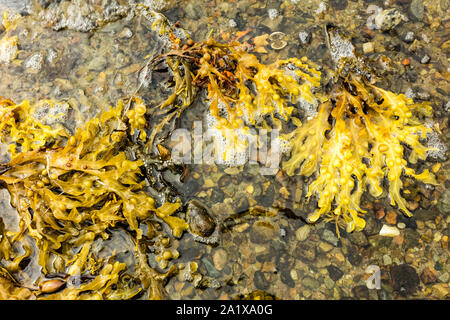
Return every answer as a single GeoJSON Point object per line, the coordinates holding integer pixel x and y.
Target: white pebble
{"type": "Point", "coordinates": [368, 47]}
{"type": "Point", "coordinates": [303, 36]}
{"type": "Point", "coordinates": [389, 231]}
{"type": "Point", "coordinates": [232, 23]}
{"type": "Point", "coordinates": [273, 13]}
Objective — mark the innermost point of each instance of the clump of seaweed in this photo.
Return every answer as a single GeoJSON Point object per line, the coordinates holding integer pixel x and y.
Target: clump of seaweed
{"type": "Point", "coordinates": [71, 189]}
{"type": "Point", "coordinates": [241, 91]}
{"type": "Point", "coordinates": [25, 133]}
{"type": "Point", "coordinates": [359, 137]}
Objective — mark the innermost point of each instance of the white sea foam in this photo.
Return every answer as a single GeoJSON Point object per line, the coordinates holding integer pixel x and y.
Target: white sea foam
{"type": "Point", "coordinates": [8, 50]}
{"type": "Point", "coordinates": [439, 148]}
{"type": "Point", "coordinates": [35, 62]}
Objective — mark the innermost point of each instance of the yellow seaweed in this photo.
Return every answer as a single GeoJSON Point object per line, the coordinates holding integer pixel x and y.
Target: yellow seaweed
{"type": "Point", "coordinates": [70, 189]}
{"type": "Point", "coordinates": [353, 143]}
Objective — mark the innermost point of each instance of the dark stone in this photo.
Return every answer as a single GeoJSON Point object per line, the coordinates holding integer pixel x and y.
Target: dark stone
{"type": "Point", "coordinates": [305, 251]}
{"type": "Point", "coordinates": [334, 272]}
{"type": "Point", "coordinates": [410, 222]}
{"type": "Point", "coordinates": [384, 242]}
{"type": "Point", "coordinates": [277, 246]}
{"type": "Point", "coordinates": [285, 277]}
{"type": "Point", "coordinates": [192, 252]}
{"type": "Point", "coordinates": [190, 187]}
{"type": "Point", "coordinates": [338, 4]}
{"type": "Point", "coordinates": [383, 295]}
{"type": "Point", "coordinates": [358, 238]}
{"type": "Point", "coordinates": [224, 181]}
{"type": "Point", "coordinates": [45, 3]}
{"type": "Point", "coordinates": [284, 261]}
{"type": "Point", "coordinates": [262, 232]}
{"type": "Point", "coordinates": [411, 238]}
{"type": "Point", "coordinates": [405, 279]}
{"type": "Point", "coordinates": [416, 10]}
{"type": "Point", "coordinates": [373, 226]}
{"type": "Point", "coordinates": [403, 2]}
{"type": "Point", "coordinates": [266, 199]}
{"type": "Point", "coordinates": [239, 239]}
{"type": "Point", "coordinates": [361, 292]}
{"type": "Point", "coordinates": [217, 196]}
{"type": "Point", "coordinates": [260, 281]}
{"type": "Point", "coordinates": [241, 204]}
{"type": "Point", "coordinates": [354, 256]}
{"type": "Point", "coordinates": [319, 52]}
{"type": "Point", "coordinates": [263, 257]}
{"type": "Point", "coordinates": [212, 271]}
{"type": "Point", "coordinates": [200, 221]}
{"type": "Point", "coordinates": [429, 214]}
{"type": "Point", "coordinates": [411, 75]}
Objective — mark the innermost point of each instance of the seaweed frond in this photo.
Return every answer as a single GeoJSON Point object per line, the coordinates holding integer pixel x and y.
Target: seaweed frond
{"type": "Point", "coordinates": [357, 139]}
{"type": "Point", "coordinates": [241, 91]}
{"type": "Point", "coordinates": [68, 196]}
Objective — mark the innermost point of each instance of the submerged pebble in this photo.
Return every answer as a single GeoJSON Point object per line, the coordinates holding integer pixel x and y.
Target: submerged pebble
{"type": "Point", "coordinates": [404, 279]}
{"type": "Point", "coordinates": [389, 231]}
{"type": "Point", "coordinates": [199, 219]}
{"type": "Point", "coordinates": [388, 19]}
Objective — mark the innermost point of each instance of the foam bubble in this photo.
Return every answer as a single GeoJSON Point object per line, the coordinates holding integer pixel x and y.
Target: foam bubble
{"type": "Point", "coordinates": [439, 147]}
{"type": "Point", "coordinates": [35, 62]}
{"type": "Point", "coordinates": [50, 113]}
{"type": "Point", "coordinates": [340, 48]}
{"type": "Point", "coordinates": [8, 49]}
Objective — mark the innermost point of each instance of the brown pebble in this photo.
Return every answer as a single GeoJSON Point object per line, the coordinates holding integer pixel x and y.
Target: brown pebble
{"type": "Point", "coordinates": [391, 217]}
{"type": "Point", "coordinates": [412, 205]}
{"type": "Point", "coordinates": [429, 275]}
{"type": "Point", "coordinates": [50, 286]}
{"type": "Point", "coordinates": [380, 214]}
{"type": "Point", "coordinates": [163, 151]}
{"type": "Point", "coordinates": [190, 42]}
{"type": "Point", "coordinates": [398, 240]}
{"type": "Point", "coordinates": [368, 33]}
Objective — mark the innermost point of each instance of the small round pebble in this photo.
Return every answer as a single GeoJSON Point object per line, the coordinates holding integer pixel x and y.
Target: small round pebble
{"type": "Point", "coordinates": [401, 225]}
{"type": "Point", "coordinates": [232, 23]}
